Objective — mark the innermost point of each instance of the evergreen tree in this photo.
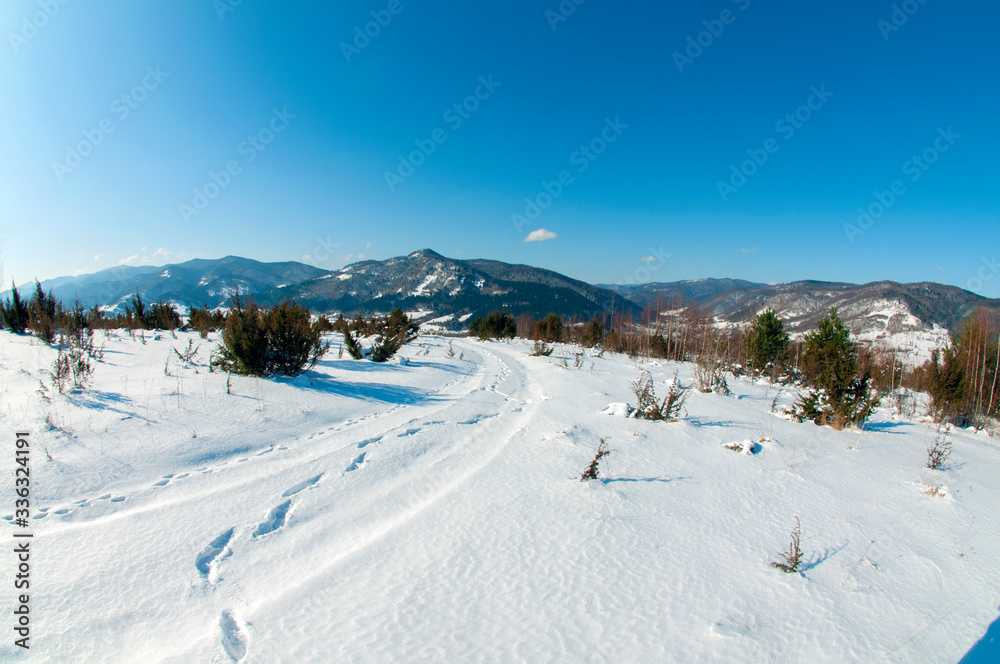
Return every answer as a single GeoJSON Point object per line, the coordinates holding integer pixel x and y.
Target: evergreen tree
{"type": "Point", "coordinates": [135, 312]}
{"type": "Point", "coordinates": [42, 314]}
{"type": "Point", "coordinates": [594, 334]}
{"type": "Point", "coordinates": [295, 341]}
{"type": "Point", "coordinates": [245, 343]}
{"type": "Point", "coordinates": [766, 342]}
{"type": "Point", "coordinates": [839, 396]}
{"type": "Point", "coordinates": [496, 325]}
{"type": "Point", "coordinates": [14, 311]}
{"type": "Point", "coordinates": [549, 328]}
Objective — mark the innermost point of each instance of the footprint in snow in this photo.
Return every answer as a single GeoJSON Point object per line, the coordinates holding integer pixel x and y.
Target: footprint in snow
{"type": "Point", "coordinates": [234, 638]}
{"type": "Point", "coordinates": [211, 553]}
{"type": "Point", "coordinates": [408, 432]}
{"type": "Point", "coordinates": [62, 511]}
{"type": "Point", "coordinates": [275, 520]}
{"type": "Point", "coordinates": [357, 463]}
{"type": "Point", "coordinates": [165, 481]}
{"type": "Point", "coordinates": [118, 499]}
{"type": "Point", "coordinates": [371, 441]}
{"type": "Point", "coordinates": [301, 486]}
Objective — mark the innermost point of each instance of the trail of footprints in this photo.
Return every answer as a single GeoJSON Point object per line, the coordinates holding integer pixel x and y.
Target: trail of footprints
{"type": "Point", "coordinates": [235, 639]}
{"type": "Point", "coordinates": [164, 481]}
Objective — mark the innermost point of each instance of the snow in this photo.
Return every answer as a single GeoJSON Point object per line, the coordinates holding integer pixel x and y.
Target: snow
{"type": "Point", "coordinates": [431, 510]}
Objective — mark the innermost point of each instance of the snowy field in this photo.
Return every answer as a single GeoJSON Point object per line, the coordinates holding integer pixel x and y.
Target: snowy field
{"type": "Point", "coordinates": [429, 510]}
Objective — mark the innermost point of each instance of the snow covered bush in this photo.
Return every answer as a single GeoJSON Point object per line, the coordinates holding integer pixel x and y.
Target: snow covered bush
{"type": "Point", "coordinates": [385, 347]}
{"type": "Point", "coordinates": [710, 374]}
{"type": "Point", "coordinates": [244, 348]}
{"type": "Point", "coordinates": [650, 407]}
{"type": "Point", "coordinates": [295, 342]}
{"type": "Point", "coordinates": [74, 361]}
{"type": "Point", "coordinates": [258, 342]}
{"type": "Point", "coordinates": [541, 349]}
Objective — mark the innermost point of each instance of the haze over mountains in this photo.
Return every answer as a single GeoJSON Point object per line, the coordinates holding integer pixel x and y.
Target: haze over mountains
{"type": "Point", "coordinates": [449, 290]}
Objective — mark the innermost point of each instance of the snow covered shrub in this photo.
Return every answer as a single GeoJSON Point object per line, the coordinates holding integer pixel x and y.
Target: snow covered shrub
{"type": "Point", "coordinates": [385, 347]}
{"type": "Point", "coordinates": [791, 559]}
{"type": "Point", "coordinates": [14, 312]}
{"type": "Point", "coordinates": [747, 447]}
{"type": "Point", "coordinates": [295, 342]}
{"type": "Point", "coordinates": [541, 349]}
{"type": "Point", "coordinates": [73, 361]}
{"type": "Point", "coordinates": [939, 452]}
{"type": "Point", "coordinates": [650, 407]}
{"type": "Point", "coordinates": [710, 374]}
{"type": "Point", "coordinates": [244, 348]}
{"type": "Point", "coordinates": [593, 470]}
{"type": "Point", "coordinates": [205, 320]}
{"type": "Point", "coordinates": [258, 342]}
{"type": "Point", "coordinates": [496, 325]}
{"type": "Point", "coordinates": [162, 316]}
{"type": "Point", "coordinates": [397, 324]}
{"type": "Point", "coordinates": [839, 396]}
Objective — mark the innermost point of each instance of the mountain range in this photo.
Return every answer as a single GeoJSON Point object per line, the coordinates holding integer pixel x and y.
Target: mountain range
{"type": "Point", "coordinates": [449, 291]}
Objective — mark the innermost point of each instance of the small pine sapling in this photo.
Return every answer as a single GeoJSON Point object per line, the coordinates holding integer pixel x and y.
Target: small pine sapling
{"type": "Point", "coordinates": [939, 452]}
{"type": "Point", "coordinates": [593, 470]}
{"type": "Point", "coordinates": [353, 348]}
{"type": "Point", "coordinates": [791, 559]}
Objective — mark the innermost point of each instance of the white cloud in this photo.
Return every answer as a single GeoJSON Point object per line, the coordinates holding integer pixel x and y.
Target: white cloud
{"type": "Point", "coordinates": [541, 235]}
{"type": "Point", "coordinates": [307, 257]}
{"type": "Point", "coordinates": [368, 246]}
{"type": "Point", "coordinates": [752, 250]}
{"type": "Point", "coordinates": [130, 259]}
{"type": "Point", "coordinates": [648, 259]}
{"type": "Point", "coordinates": [362, 257]}
{"type": "Point", "coordinates": [97, 257]}
{"type": "Point", "coordinates": [162, 252]}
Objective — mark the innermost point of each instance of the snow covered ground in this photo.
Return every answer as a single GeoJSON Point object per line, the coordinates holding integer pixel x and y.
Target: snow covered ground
{"type": "Point", "coordinates": [429, 510]}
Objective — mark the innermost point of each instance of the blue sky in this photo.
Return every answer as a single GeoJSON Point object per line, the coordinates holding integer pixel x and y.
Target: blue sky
{"type": "Point", "coordinates": [156, 132]}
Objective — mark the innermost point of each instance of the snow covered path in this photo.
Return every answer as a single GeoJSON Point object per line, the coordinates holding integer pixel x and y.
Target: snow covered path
{"type": "Point", "coordinates": [430, 510]}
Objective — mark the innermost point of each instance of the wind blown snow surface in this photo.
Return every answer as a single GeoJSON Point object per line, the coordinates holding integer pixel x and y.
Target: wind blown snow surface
{"type": "Point", "coordinates": [430, 510]}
